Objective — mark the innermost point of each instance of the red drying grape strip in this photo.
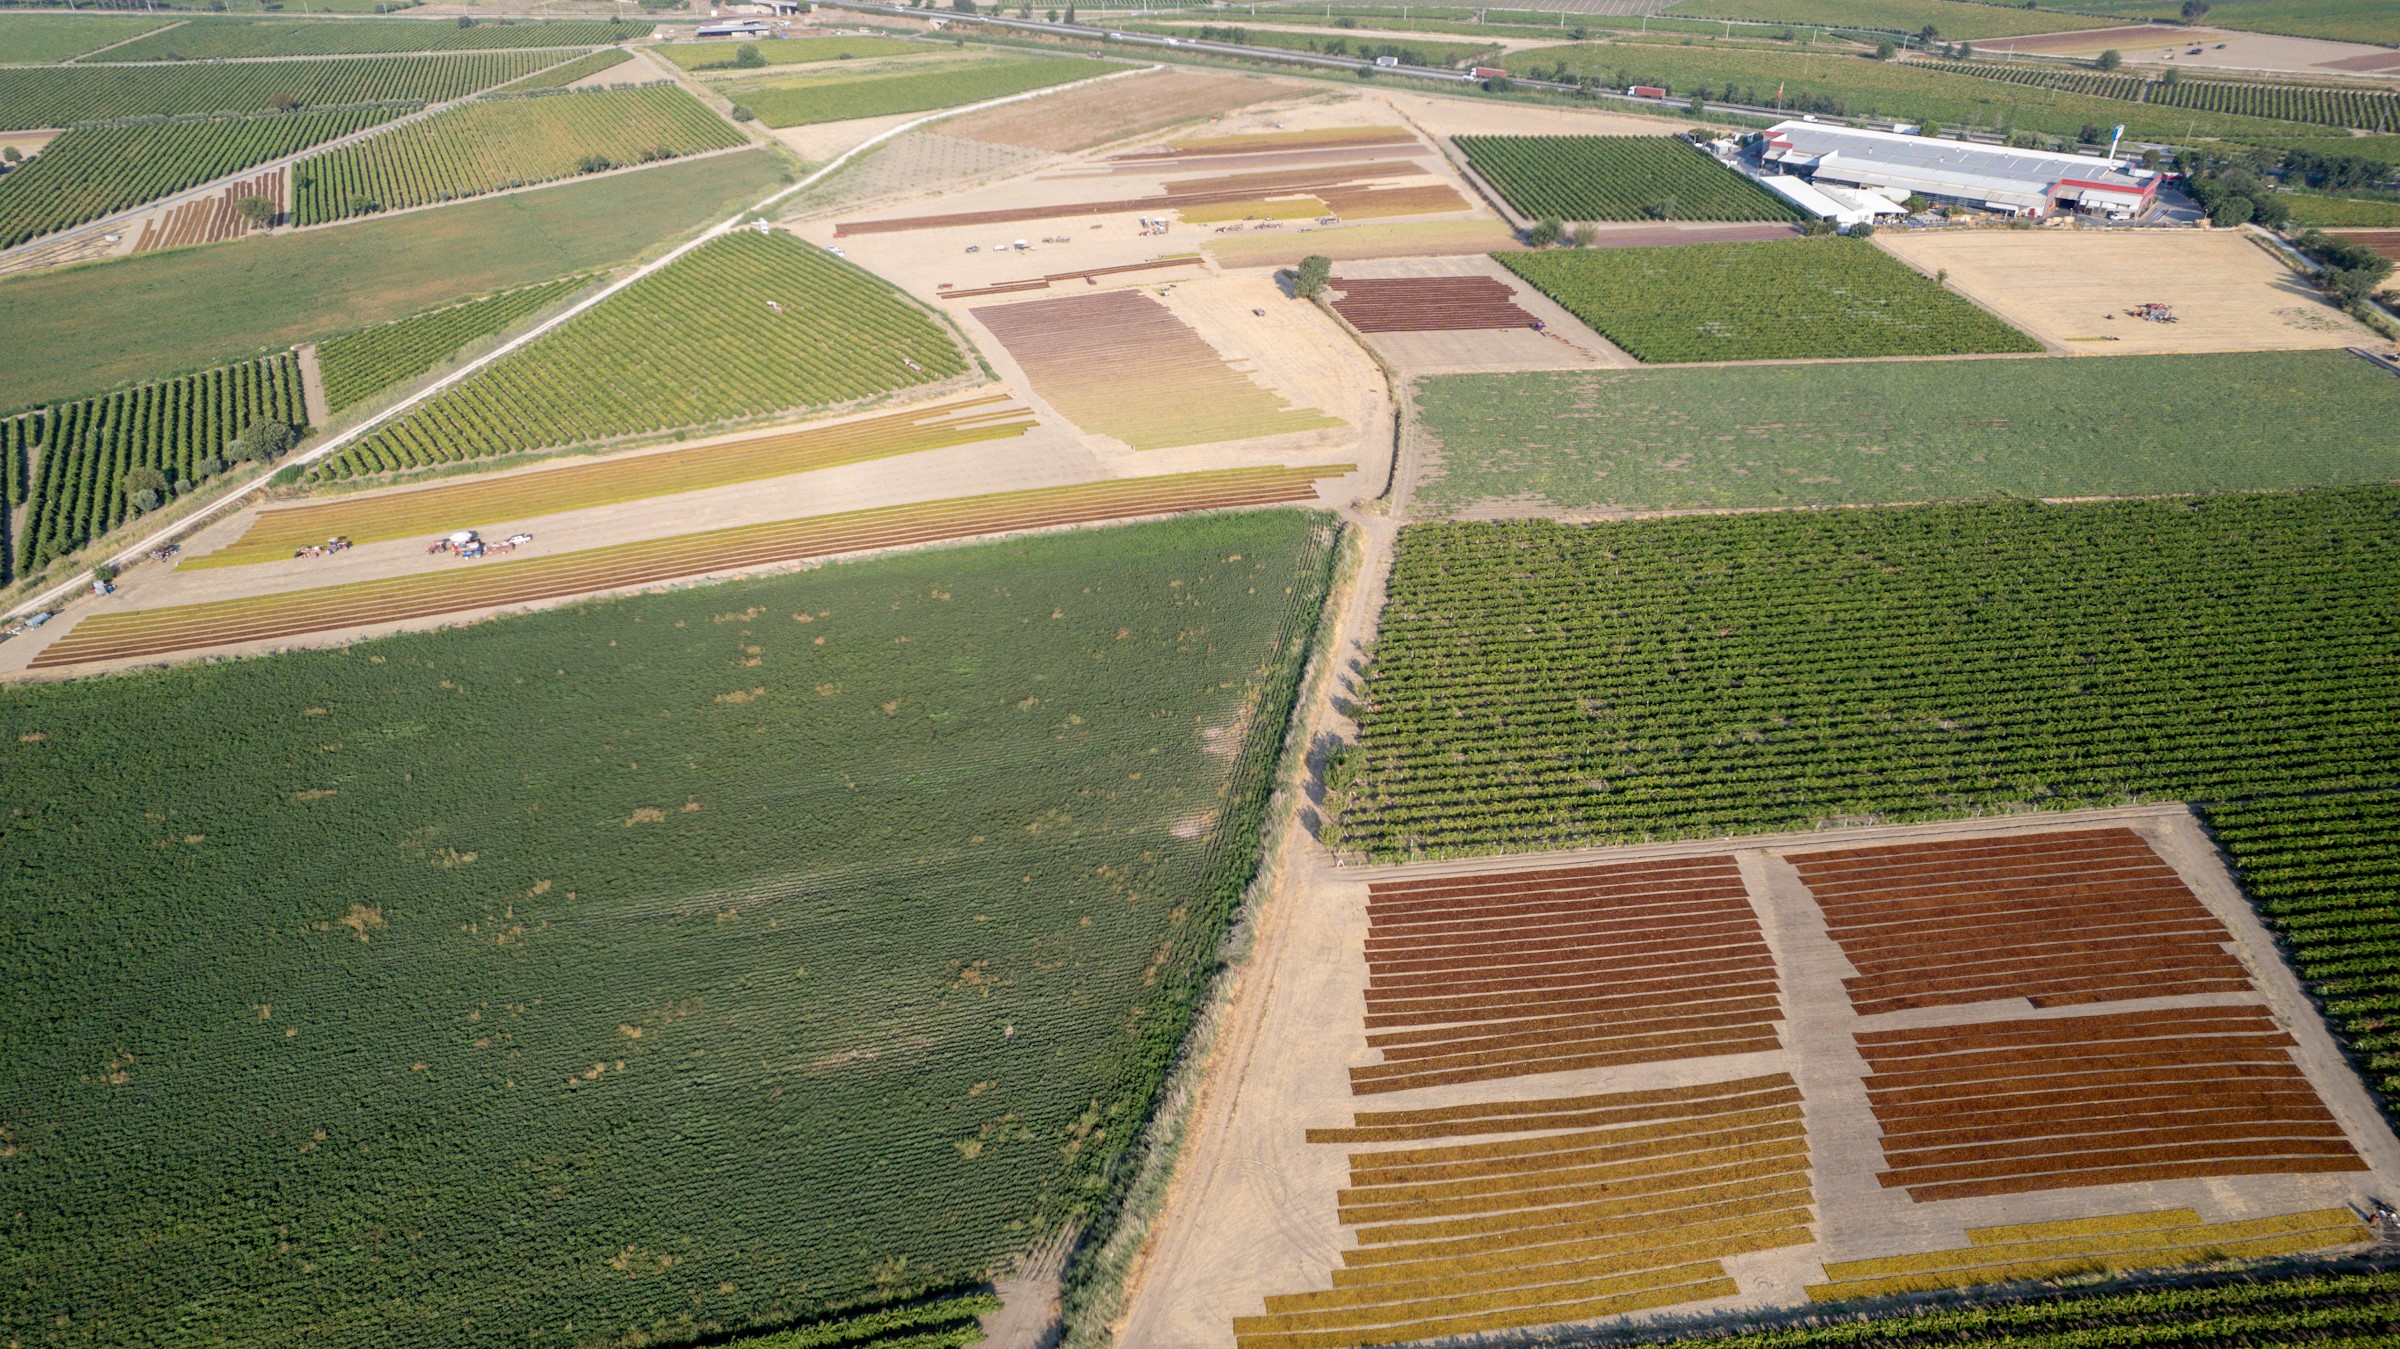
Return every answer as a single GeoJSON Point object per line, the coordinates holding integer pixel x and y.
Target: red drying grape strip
{"type": "Point", "coordinates": [1948, 1124]}
{"type": "Point", "coordinates": [2274, 1136]}
{"type": "Point", "coordinates": [1582, 967]}
{"type": "Point", "coordinates": [1519, 941]}
{"type": "Point", "coordinates": [2027, 890]}
{"type": "Point", "coordinates": [1696, 968]}
{"type": "Point", "coordinates": [2070, 992]}
{"type": "Point", "coordinates": [2097, 993]}
{"type": "Point", "coordinates": [1427, 304]}
{"type": "Point", "coordinates": [1764, 1042]}
{"type": "Point", "coordinates": [1767, 1005]}
{"type": "Point", "coordinates": [2033, 931]}
{"type": "Point", "coordinates": [1548, 931]}
{"type": "Point", "coordinates": [1647, 992]}
{"type": "Point", "coordinates": [2168, 1053]}
{"type": "Point", "coordinates": [1511, 1047]}
{"type": "Point", "coordinates": [1677, 870]}
{"type": "Point", "coordinates": [2130, 1173]}
{"type": "Point", "coordinates": [1624, 901]}
{"type": "Point", "coordinates": [2063, 843]}
{"type": "Point", "coordinates": [1921, 1040]}
{"type": "Point", "coordinates": [2205, 1148]}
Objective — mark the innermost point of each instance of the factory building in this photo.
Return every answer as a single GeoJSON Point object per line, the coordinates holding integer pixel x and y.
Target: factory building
{"type": "Point", "coordinates": [1847, 160]}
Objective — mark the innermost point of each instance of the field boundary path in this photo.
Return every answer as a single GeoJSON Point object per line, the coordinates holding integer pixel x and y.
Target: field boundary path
{"type": "Point", "coordinates": [342, 441]}
{"type": "Point", "coordinates": [147, 32]}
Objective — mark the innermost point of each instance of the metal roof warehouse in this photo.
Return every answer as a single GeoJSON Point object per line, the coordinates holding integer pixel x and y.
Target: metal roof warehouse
{"type": "Point", "coordinates": [1990, 177]}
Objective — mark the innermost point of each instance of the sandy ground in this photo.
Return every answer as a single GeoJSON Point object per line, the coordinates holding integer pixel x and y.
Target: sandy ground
{"type": "Point", "coordinates": [1564, 344]}
{"type": "Point", "coordinates": [2063, 285]}
{"type": "Point", "coordinates": [1100, 114]}
{"type": "Point", "coordinates": [1253, 1212]}
{"type": "Point", "coordinates": [2220, 49]}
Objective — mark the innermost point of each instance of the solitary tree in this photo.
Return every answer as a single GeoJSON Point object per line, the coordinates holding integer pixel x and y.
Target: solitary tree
{"type": "Point", "coordinates": [1884, 50]}
{"type": "Point", "coordinates": [1584, 236]}
{"type": "Point", "coordinates": [748, 56]}
{"type": "Point", "coordinates": [1928, 35]}
{"type": "Point", "coordinates": [2194, 10]}
{"type": "Point", "coordinates": [2111, 59]}
{"type": "Point", "coordinates": [1545, 233]}
{"type": "Point", "coordinates": [1310, 277]}
{"type": "Point", "coordinates": [261, 440]}
{"type": "Point", "coordinates": [2172, 78]}
{"type": "Point", "coordinates": [256, 210]}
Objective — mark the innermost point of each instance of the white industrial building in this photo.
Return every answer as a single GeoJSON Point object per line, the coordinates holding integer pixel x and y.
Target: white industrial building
{"type": "Point", "coordinates": [1845, 162]}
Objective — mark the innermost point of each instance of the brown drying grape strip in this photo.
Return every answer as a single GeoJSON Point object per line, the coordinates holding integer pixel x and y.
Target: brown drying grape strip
{"type": "Point", "coordinates": [1575, 937]}
{"type": "Point", "coordinates": [1666, 992]}
{"type": "Point", "coordinates": [1576, 970]}
{"type": "Point", "coordinates": [1489, 1311]}
{"type": "Point", "coordinates": [2262, 1151]}
{"type": "Point", "coordinates": [1781, 1183]}
{"type": "Point", "coordinates": [2164, 961]}
{"type": "Point", "coordinates": [1985, 1056]}
{"type": "Point", "coordinates": [2133, 1173]}
{"type": "Point", "coordinates": [1700, 1095]}
{"type": "Point", "coordinates": [1886, 902]}
{"type": "Point", "coordinates": [1634, 1232]}
{"type": "Point", "coordinates": [1633, 948]}
{"type": "Point", "coordinates": [1977, 1080]}
{"type": "Point", "coordinates": [1565, 1063]}
{"type": "Point", "coordinates": [1434, 887]}
{"type": "Point", "coordinates": [2245, 1074]}
{"type": "Point", "coordinates": [1509, 1044]}
{"type": "Point", "coordinates": [1412, 1165]}
{"type": "Point", "coordinates": [2061, 1029]}
{"type": "Point", "coordinates": [1667, 1044]}
{"type": "Point", "coordinates": [1654, 1176]}
{"type": "Point", "coordinates": [1765, 1007]}
{"type": "Point", "coordinates": [1942, 1125]}
{"type": "Point", "coordinates": [2131, 1134]}
{"type": "Point", "coordinates": [2071, 993]}
{"type": "Point", "coordinates": [2040, 935]}
{"type": "Point", "coordinates": [1759, 961]}
{"type": "Point", "coordinates": [1669, 909]}
{"type": "Point", "coordinates": [2060, 983]}
{"type": "Point", "coordinates": [1597, 901]}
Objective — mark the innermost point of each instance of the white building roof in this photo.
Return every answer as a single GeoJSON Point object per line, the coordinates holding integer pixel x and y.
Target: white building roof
{"type": "Point", "coordinates": [1800, 193]}
{"type": "Point", "coordinates": [1996, 175]}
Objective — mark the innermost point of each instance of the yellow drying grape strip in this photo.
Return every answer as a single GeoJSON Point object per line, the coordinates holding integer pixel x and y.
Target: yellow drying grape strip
{"type": "Point", "coordinates": [1566, 1186]}
{"type": "Point", "coordinates": [1405, 1242]}
{"type": "Point", "coordinates": [441, 508]}
{"type": "Point", "coordinates": [1490, 1311]}
{"type": "Point", "coordinates": [1536, 1267]}
{"type": "Point", "coordinates": [1517, 1154]}
{"type": "Point", "coordinates": [1326, 137]}
{"type": "Point", "coordinates": [493, 584]}
{"type": "Point", "coordinates": [2111, 1247]}
{"type": "Point", "coordinates": [1637, 1232]}
{"type": "Point", "coordinates": [1374, 1126]}
{"type": "Point", "coordinates": [2079, 1227]}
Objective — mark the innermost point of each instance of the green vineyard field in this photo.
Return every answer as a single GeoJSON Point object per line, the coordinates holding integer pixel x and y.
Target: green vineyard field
{"type": "Point", "coordinates": [86, 448]}
{"type": "Point", "coordinates": [791, 51]}
{"type": "Point", "coordinates": [1617, 178]}
{"type": "Point", "coordinates": [1409, 51]}
{"type": "Point", "coordinates": [801, 102]}
{"type": "Point", "coordinates": [34, 39]}
{"type": "Point", "coordinates": [746, 325]}
{"type": "Point", "coordinates": [215, 39]}
{"type": "Point", "coordinates": [1789, 669]}
{"type": "Point", "coordinates": [64, 95]}
{"type": "Point", "coordinates": [496, 143]}
{"type": "Point", "coordinates": [897, 880]}
{"type": "Point", "coordinates": [1762, 301]}
{"type": "Point", "coordinates": [93, 171]}
{"type": "Point", "coordinates": [1856, 435]}
{"type": "Point", "coordinates": [2365, 108]}
{"type": "Point", "coordinates": [560, 76]}
{"type": "Point", "coordinates": [2357, 213]}
{"type": "Point", "coordinates": [18, 436]}
{"type": "Point", "coordinates": [2371, 21]}
{"type": "Point", "coordinates": [358, 365]}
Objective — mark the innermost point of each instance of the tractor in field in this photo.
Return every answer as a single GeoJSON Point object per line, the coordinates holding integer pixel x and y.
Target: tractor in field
{"type": "Point", "coordinates": [2154, 312]}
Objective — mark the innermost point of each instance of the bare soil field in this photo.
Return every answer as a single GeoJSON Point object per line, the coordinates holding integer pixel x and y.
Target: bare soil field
{"type": "Point", "coordinates": [2222, 50]}
{"type": "Point", "coordinates": [1460, 1052]}
{"type": "Point", "coordinates": [2386, 243]}
{"type": "Point", "coordinates": [1097, 115]}
{"type": "Point", "coordinates": [1563, 342]}
{"type": "Point", "coordinates": [2072, 288]}
{"type": "Point", "coordinates": [1355, 243]}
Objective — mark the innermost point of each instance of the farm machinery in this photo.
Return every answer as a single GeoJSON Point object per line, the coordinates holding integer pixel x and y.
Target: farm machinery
{"type": "Point", "coordinates": [2154, 312]}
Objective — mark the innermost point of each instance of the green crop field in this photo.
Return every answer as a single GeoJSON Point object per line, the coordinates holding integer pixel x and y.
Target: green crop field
{"type": "Point", "coordinates": [2351, 106]}
{"type": "Point", "coordinates": [691, 345]}
{"type": "Point", "coordinates": [1955, 20]}
{"type": "Point", "coordinates": [1617, 178]}
{"type": "Point", "coordinates": [358, 365]}
{"type": "Point", "coordinates": [90, 172]}
{"type": "Point", "coordinates": [31, 39]}
{"type": "Point", "coordinates": [2372, 21]}
{"type": "Point", "coordinates": [1854, 435]}
{"type": "Point", "coordinates": [789, 51]}
{"type": "Point", "coordinates": [717, 957]}
{"type": "Point", "coordinates": [1787, 669]}
{"type": "Point", "coordinates": [1410, 52]}
{"type": "Point", "coordinates": [1763, 301]}
{"type": "Point", "coordinates": [49, 96]}
{"type": "Point", "coordinates": [801, 102]}
{"type": "Point", "coordinates": [2344, 212]}
{"type": "Point", "coordinates": [86, 448]}
{"type": "Point", "coordinates": [560, 76]}
{"type": "Point", "coordinates": [214, 39]}
{"type": "Point", "coordinates": [152, 315]}
{"type": "Point", "coordinates": [496, 143]}
{"type": "Point", "coordinates": [1845, 83]}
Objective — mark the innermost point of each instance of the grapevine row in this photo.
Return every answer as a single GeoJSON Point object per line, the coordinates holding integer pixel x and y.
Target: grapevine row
{"type": "Point", "coordinates": [48, 96]}
{"type": "Point", "coordinates": [357, 365]}
{"type": "Point", "coordinates": [211, 39]}
{"type": "Point", "coordinates": [2365, 108]}
{"type": "Point", "coordinates": [1617, 178]}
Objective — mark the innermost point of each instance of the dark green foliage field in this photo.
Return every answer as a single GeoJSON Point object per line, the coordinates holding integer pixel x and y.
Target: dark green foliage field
{"type": "Point", "coordinates": [1539, 685]}
{"type": "Point", "coordinates": [155, 314]}
{"type": "Point", "coordinates": [44, 96]}
{"type": "Point", "coordinates": [1908, 431]}
{"type": "Point", "coordinates": [1617, 178]}
{"type": "Point", "coordinates": [626, 972]}
{"type": "Point", "coordinates": [1763, 301]}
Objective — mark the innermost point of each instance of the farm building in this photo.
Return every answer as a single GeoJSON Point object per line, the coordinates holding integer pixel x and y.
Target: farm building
{"type": "Point", "coordinates": [1987, 177]}
{"type": "Point", "coordinates": [1827, 201]}
{"type": "Point", "coordinates": [717, 28]}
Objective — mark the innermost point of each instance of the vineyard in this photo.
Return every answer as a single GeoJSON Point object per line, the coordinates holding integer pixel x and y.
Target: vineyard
{"type": "Point", "coordinates": [747, 324]}
{"type": "Point", "coordinates": [1616, 178]}
{"type": "Point", "coordinates": [18, 437]}
{"type": "Point", "coordinates": [91, 172]}
{"type": "Point", "coordinates": [215, 39]}
{"type": "Point", "coordinates": [803, 102]}
{"type": "Point", "coordinates": [1409, 52]}
{"type": "Point", "coordinates": [496, 143]}
{"type": "Point", "coordinates": [1907, 431]}
{"type": "Point", "coordinates": [35, 39]}
{"type": "Point", "coordinates": [64, 95]}
{"type": "Point", "coordinates": [566, 73]}
{"type": "Point", "coordinates": [792, 51]}
{"type": "Point", "coordinates": [1121, 364]}
{"type": "Point", "coordinates": [2368, 21]}
{"type": "Point", "coordinates": [1956, 22]}
{"type": "Point", "coordinates": [2366, 108]}
{"type": "Point", "coordinates": [1763, 301]}
{"type": "Point", "coordinates": [87, 447]}
{"type": "Point", "coordinates": [360, 364]}
{"type": "Point", "coordinates": [788, 884]}
{"type": "Point", "coordinates": [487, 501]}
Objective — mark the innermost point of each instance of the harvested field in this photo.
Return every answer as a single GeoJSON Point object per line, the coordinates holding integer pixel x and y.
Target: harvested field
{"type": "Point", "coordinates": [211, 219]}
{"type": "Point", "coordinates": [2003, 1107]}
{"type": "Point", "coordinates": [1554, 1210]}
{"type": "Point", "coordinates": [1087, 274]}
{"type": "Point", "coordinates": [2072, 289]}
{"type": "Point", "coordinates": [1321, 138]}
{"type": "Point", "coordinates": [1427, 304]}
{"type": "Point", "coordinates": [1363, 243]}
{"type": "Point", "coordinates": [478, 502]}
{"type": "Point", "coordinates": [196, 627]}
{"type": "Point", "coordinates": [2057, 919]}
{"type": "Point", "coordinates": [1477, 978]}
{"type": "Point", "coordinates": [2058, 1250]}
{"type": "Point", "coordinates": [1121, 364]}
{"type": "Point", "coordinates": [1083, 118]}
{"type": "Point", "coordinates": [2084, 40]}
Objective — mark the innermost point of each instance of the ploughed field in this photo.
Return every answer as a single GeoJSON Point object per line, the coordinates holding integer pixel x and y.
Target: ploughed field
{"type": "Point", "coordinates": [893, 881]}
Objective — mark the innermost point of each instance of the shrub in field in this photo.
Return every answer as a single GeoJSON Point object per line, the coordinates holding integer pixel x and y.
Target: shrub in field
{"type": "Point", "coordinates": [86, 448]}
{"type": "Point", "coordinates": [47, 96]}
{"type": "Point", "coordinates": [90, 172]}
{"type": "Point", "coordinates": [898, 880]}
{"type": "Point", "coordinates": [210, 39]}
{"type": "Point", "coordinates": [781, 103]}
{"type": "Point", "coordinates": [1752, 301]}
{"type": "Point", "coordinates": [745, 325]}
{"type": "Point", "coordinates": [496, 143]}
{"type": "Point", "coordinates": [1616, 178]}
{"type": "Point", "coordinates": [357, 365]}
